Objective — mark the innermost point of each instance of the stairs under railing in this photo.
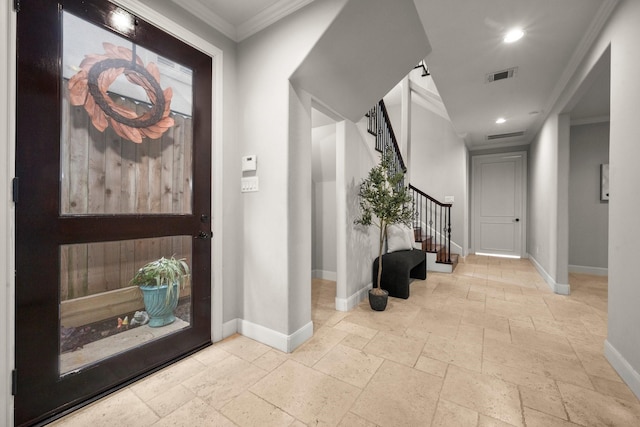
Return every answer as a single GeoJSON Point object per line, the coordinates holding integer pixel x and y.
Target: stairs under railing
{"type": "Point", "coordinates": [432, 222]}
{"type": "Point", "coordinates": [432, 225]}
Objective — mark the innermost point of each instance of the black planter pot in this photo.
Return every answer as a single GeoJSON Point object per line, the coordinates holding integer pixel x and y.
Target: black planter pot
{"type": "Point", "coordinates": [378, 302]}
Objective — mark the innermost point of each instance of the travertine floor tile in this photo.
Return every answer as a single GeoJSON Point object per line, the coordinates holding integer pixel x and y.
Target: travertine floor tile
{"type": "Point", "coordinates": [210, 355]}
{"type": "Point", "coordinates": [321, 343]}
{"type": "Point", "coordinates": [248, 410]}
{"type": "Point", "coordinates": [487, 321]}
{"type": "Point", "coordinates": [243, 347]}
{"type": "Point", "coordinates": [549, 364]}
{"type": "Point", "coordinates": [449, 414]}
{"type": "Point", "coordinates": [590, 408]}
{"type": "Point", "coordinates": [222, 382]}
{"type": "Point", "coordinates": [516, 376]}
{"type": "Point", "coordinates": [355, 341]}
{"type": "Point", "coordinates": [516, 310]}
{"type": "Point", "coordinates": [540, 419]}
{"type": "Point", "coordinates": [194, 413]}
{"type": "Point", "coordinates": [549, 402]}
{"type": "Point", "coordinates": [399, 395]}
{"type": "Point", "coordinates": [352, 420]}
{"type": "Point", "coordinates": [615, 389]}
{"type": "Point", "coordinates": [485, 421]}
{"type": "Point", "coordinates": [170, 399]}
{"type": "Point", "coordinates": [122, 408]}
{"type": "Point", "coordinates": [489, 345]}
{"type": "Point", "coordinates": [485, 394]}
{"type": "Point", "coordinates": [431, 366]}
{"type": "Point", "coordinates": [438, 322]}
{"type": "Point", "coordinates": [392, 347]}
{"type": "Point", "coordinates": [595, 364]}
{"type": "Point", "coordinates": [353, 366]}
{"type": "Point", "coordinates": [270, 360]}
{"type": "Point", "coordinates": [541, 341]}
{"type": "Point", "coordinates": [161, 381]}
{"type": "Point", "coordinates": [460, 353]}
{"type": "Point", "coordinates": [355, 329]}
{"type": "Point", "coordinates": [306, 394]}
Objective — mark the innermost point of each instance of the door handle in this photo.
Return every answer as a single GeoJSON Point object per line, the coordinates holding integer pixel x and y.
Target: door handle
{"type": "Point", "coordinates": [204, 235]}
{"type": "Point", "coordinates": [517, 219]}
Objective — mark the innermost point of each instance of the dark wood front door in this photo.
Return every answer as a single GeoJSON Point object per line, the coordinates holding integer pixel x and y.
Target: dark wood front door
{"type": "Point", "coordinates": [113, 166]}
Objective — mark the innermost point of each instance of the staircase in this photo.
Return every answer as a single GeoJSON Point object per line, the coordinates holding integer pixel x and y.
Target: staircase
{"type": "Point", "coordinates": [432, 222]}
{"type": "Point", "coordinates": [432, 231]}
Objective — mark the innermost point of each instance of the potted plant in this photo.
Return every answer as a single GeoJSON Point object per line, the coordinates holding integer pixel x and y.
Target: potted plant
{"type": "Point", "coordinates": [160, 282]}
{"type": "Point", "coordinates": [384, 200]}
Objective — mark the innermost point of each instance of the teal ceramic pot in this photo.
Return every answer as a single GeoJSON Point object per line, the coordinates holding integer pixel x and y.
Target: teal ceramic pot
{"type": "Point", "coordinates": [159, 309]}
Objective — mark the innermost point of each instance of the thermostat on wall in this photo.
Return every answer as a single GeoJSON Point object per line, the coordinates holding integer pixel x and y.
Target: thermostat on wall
{"type": "Point", "coordinates": [249, 163]}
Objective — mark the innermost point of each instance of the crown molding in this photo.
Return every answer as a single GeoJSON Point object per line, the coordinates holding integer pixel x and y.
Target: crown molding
{"type": "Point", "coordinates": [260, 21]}
{"type": "Point", "coordinates": [214, 20]}
{"type": "Point", "coordinates": [590, 120]}
{"type": "Point", "coordinates": [268, 16]}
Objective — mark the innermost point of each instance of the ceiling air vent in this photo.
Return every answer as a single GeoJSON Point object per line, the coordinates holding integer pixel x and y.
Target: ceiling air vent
{"type": "Point", "coordinates": [505, 135]}
{"type": "Point", "coordinates": [501, 75]}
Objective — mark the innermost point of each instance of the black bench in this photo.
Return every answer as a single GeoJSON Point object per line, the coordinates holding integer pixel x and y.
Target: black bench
{"type": "Point", "coordinates": [398, 268]}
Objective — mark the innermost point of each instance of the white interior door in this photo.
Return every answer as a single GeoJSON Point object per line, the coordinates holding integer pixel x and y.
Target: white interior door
{"type": "Point", "coordinates": [499, 186]}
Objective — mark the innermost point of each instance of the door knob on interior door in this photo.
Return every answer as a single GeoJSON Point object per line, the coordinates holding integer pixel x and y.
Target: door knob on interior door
{"type": "Point", "coordinates": [517, 219]}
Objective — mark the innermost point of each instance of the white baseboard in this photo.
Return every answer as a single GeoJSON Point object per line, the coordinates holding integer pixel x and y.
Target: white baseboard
{"type": "Point", "coordinates": [325, 275]}
{"type": "Point", "coordinates": [275, 339]}
{"type": "Point", "coordinates": [629, 375]}
{"type": "Point", "coordinates": [596, 271]}
{"type": "Point", "coordinates": [347, 304]}
{"type": "Point", "coordinates": [229, 328]}
{"type": "Point", "coordinates": [558, 288]}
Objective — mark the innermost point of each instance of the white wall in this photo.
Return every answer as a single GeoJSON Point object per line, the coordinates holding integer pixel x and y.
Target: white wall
{"type": "Point", "coordinates": [323, 139]}
{"type": "Point", "coordinates": [620, 33]}
{"type": "Point", "coordinates": [324, 230]}
{"type": "Point", "coordinates": [588, 215]}
{"type": "Point", "coordinates": [357, 246]}
{"type": "Point", "coordinates": [438, 164]}
{"type": "Point", "coordinates": [542, 192]}
{"type": "Point", "coordinates": [275, 125]}
{"type": "Point", "coordinates": [624, 229]}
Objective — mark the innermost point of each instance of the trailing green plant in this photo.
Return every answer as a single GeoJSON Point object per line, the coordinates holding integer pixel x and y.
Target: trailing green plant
{"type": "Point", "coordinates": [163, 272]}
{"type": "Point", "coordinates": [384, 200]}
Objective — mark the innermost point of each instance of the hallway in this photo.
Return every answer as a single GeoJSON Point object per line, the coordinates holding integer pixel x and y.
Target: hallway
{"type": "Point", "coordinates": [489, 345]}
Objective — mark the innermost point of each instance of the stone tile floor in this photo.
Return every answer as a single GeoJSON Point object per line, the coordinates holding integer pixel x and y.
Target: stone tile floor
{"type": "Point", "coordinates": [489, 345]}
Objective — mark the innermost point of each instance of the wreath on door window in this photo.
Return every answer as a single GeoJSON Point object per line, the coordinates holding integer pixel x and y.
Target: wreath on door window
{"type": "Point", "coordinates": [89, 86]}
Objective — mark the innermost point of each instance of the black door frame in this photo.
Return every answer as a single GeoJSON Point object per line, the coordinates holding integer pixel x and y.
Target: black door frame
{"type": "Point", "coordinates": [41, 393]}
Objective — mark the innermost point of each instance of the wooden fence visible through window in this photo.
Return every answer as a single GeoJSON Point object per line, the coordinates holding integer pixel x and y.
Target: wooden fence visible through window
{"type": "Point", "coordinates": [105, 174]}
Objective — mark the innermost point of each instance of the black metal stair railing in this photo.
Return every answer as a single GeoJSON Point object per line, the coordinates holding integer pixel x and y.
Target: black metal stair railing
{"type": "Point", "coordinates": [432, 224]}
{"type": "Point", "coordinates": [379, 125]}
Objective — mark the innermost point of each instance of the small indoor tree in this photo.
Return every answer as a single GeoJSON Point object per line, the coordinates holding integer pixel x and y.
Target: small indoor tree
{"type": "Point", "coordinates": [384, 200]}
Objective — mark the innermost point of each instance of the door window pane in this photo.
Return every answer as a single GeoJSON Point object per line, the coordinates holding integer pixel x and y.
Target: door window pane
{"type": "Point", "coordinates": [102, 313]}
{"type": "Point", "coordinates": [127, 131]}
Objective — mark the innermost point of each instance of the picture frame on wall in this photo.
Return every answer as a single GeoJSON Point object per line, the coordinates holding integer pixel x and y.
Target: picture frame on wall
{"type": "Point", "coordinates": [604, 182]}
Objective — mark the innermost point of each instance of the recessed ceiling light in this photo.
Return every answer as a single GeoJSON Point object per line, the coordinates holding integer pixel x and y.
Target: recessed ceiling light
{"type": "Point", "coordinates": [513, 35]}
{"type": "Point", "coordinates": [501, 120]}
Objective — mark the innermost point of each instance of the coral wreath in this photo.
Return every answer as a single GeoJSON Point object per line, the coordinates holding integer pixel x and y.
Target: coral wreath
{"type": "Point", "coordinates": [97, 72]}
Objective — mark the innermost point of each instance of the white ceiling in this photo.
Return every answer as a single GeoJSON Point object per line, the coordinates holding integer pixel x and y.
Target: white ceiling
{"type": "Point", "coordinates": [465, 37]}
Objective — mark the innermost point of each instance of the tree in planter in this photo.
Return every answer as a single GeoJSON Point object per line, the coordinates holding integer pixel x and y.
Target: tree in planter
{"type": "Point", "coordinates": [384, 201]}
